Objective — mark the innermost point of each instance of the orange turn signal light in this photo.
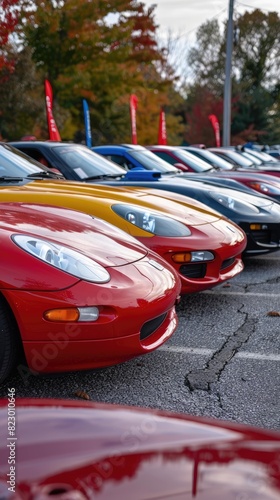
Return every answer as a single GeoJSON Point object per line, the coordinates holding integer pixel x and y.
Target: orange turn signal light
{"type": "Point", "coordinates": [69, 314]}
{"type": "Point", "coordinates": [255, 227]}
{"type": "Point", "coordinates": [180, 258]}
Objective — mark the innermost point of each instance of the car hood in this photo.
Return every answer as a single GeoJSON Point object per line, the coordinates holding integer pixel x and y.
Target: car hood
{"type": "Point", "coordinates": [184, 209]}
{"type": "Point", "coordinates": [249, 197]}
{"type": "Point", "coordinates": [93, 237]}
{"type": "Point", "coordinates": [247, 174]}
{"type": "Point", "coordinates": [84, 450]}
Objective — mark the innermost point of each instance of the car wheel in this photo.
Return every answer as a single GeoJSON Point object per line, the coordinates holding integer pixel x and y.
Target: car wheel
{"type": "Point", "coordinates": [10, 344]}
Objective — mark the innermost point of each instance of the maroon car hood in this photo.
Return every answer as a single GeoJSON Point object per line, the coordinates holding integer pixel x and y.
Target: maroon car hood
{"type": "Point", "coordinates": [83, 450]}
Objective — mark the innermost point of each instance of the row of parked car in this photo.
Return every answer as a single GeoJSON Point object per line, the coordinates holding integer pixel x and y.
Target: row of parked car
{"type": "Point", "coordinates": [111, 260]}
{"type": "Point", "coordinates": [187, 213]}
{"type": "Point", "coordinates": [97, 247]}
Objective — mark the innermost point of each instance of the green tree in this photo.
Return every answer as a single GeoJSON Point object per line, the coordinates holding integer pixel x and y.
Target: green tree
{"type": "Point", "coordinates": [256, 68]}
{"type": "Point", "coordinates": [22, 100]}
{"type": "Point", "coordinates": [207, 57]}
{"type": "Point", "coordinates": [255, 75]}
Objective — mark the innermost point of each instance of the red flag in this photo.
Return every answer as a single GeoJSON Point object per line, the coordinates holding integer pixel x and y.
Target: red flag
{"type": "Point", "coordinates": [53, 131]}
{"type": "Point", "coordinates": [215, 124]}
{"type": "Point", "coordinates": [133, 107]}
{"type": "Point", "coordinates": [162, 137]}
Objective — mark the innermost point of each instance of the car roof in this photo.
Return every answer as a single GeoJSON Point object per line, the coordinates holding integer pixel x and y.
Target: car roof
{"type": "Point", "coordinates": [120, 147]}
{"type": "Point", "coordinates": [30, 143]}
{"type": "Point", "coordinates": [168, 148]}
{"type": "Point", "coordinates": [45, 143]}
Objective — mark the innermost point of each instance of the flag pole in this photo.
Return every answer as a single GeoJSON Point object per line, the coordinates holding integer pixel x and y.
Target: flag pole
{"type": "Point", "coordinates": [227, 86]}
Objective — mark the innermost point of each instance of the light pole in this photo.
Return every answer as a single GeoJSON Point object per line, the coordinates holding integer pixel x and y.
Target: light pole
{"type": "Point", "coordinates": [227, 86]}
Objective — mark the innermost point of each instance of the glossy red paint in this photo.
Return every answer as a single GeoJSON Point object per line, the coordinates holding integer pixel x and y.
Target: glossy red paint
{"type": "Point", "coordinates": [82, 450]}
{"type": "Point", "coordinates": [136, 305]}
{"type": "Point", "coordinates": [224, 239]}
{"type": "Point", "coordinates": [204, 229]}
{"type": "Point", "coordinates": [264, 184]}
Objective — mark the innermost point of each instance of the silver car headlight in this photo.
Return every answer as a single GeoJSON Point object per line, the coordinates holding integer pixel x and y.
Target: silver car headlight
{"type": "Point", "coordinates": [152, 222]}
{"type": "Point", "coordinates": [63, 258]}
{"type": "Point", "coordinates": [235, 204]}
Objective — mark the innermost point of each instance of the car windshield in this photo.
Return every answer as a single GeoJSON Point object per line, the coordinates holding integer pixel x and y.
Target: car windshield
{"type": "Point", "coordinates": [152, 162]}
{"type": "Point", "coordinates": [86, 163]}
{"type": "Point", "coordinates": [253, 158]}
{"type": "Point", "coordinates": [14, 163]}
{"type": "Point", "coordinates": [197, 164]}
{"type": "Point", "coordinates": [262, 156]}
{"type": "Point", "coordinates": [235, 157]}
{"type": "Point", "coordinates": [211, 158]}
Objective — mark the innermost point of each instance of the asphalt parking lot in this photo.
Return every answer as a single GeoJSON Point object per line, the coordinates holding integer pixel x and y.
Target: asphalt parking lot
{"type": "Point", "coordinates": [223, 361]}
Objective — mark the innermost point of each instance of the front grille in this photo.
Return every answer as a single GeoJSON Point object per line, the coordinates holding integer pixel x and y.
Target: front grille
{"type": "Point", "coordinates": [261, 236]}
{"type": "Point", "coordinates": [193, 270]}
{"type": "Point", "coordinates": [227, 263]}
{"type": "Point", "coordinates": [151, 326]}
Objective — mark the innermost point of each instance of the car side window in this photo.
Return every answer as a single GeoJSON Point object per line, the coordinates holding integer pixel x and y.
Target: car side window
{"type": "Point", "coordinates": [166, 157]}
{"type": "Point", "coordinates": [120, 160]}
{"type": "Point", "coordinates": [36, 155]}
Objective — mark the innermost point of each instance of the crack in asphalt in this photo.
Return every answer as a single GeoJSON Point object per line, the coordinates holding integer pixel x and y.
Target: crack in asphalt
{"type": "Point", "coordinates": [273, 281]}
{"type": "Point", "coordinates": [219, 398]}
{"type": "Point", "coordinates": [202, 378]}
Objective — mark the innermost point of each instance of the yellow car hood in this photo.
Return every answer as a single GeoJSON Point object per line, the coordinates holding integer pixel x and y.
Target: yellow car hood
{"type": "Point", "coordinates": [97, 200]}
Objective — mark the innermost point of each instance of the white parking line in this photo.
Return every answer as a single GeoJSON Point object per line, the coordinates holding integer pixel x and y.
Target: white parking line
{"type": "Point", "coordinates": [255, 355]}
{"type": "Point", "coordinates": [210, 352]}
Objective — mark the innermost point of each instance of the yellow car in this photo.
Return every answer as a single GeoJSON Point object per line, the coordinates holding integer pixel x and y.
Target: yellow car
{"type": "Point", "coordinates": [204, 247]}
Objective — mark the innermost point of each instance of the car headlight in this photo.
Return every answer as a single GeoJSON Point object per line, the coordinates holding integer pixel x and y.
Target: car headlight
{"type": "Point", "coordinates": [63, 258]}
{"type": "Point", "coordinates": [265, 188]}
{"type": "Point", "coordinates": [235, 204]}
{"type": "Point", "coordinates": [152, 222]}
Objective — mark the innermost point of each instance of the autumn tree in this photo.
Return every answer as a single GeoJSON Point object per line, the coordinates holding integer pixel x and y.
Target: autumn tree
{"type": "Point", "coordinates": [104, 51]}
{"type": "Point", "coordinates": [15, 73]}
{"type": "Point", "coordinates": [8, 22]}
{"type": "Point", "coordinates": [101, 51]}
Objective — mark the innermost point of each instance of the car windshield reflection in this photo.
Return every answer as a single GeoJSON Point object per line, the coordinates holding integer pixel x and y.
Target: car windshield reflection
{"type": "Point", "coordinates": [87, 164]}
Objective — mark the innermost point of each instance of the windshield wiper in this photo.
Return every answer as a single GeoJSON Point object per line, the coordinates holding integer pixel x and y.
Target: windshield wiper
{"type": "Point", "coordinates": [44, 174]}
{"type": "Point", "coordinates": [103, 176]}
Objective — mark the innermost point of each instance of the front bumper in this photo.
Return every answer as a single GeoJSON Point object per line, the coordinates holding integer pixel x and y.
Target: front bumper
{"type": "Point", "coordinates": [264, 239]}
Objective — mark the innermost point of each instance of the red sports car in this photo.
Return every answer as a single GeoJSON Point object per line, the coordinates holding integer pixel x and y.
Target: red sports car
{"type": "Point", "coordinates": [254, 178]}
{"type": "Point", "coordinates": [75, 450]}
{"type": "Point", "coordinates": [204, 247]}
{"type": "Point", "coordinates": [205, 162]}
{"type": "Point", "coordinates": [78, 293]}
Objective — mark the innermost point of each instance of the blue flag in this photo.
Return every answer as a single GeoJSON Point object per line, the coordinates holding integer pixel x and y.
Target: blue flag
{"type": "Point", "coordinates": [87, 123]}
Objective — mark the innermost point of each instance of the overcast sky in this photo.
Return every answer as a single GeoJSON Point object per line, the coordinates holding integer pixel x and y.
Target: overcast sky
{"type": "Point", "coordinates": [183, 17]}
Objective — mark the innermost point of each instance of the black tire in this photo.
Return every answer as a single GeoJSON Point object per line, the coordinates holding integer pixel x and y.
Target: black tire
{"type": "Point", "coordinates": [10, 343]}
